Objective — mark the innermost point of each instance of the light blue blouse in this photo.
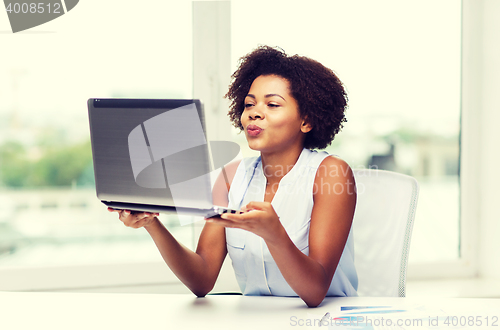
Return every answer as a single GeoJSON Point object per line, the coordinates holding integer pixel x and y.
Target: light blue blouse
{"type": "Point", "coordinates": [255, 269]}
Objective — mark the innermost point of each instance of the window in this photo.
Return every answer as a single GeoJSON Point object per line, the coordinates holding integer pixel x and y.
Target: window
{"type": "Point", "coordinates": [49, 214]}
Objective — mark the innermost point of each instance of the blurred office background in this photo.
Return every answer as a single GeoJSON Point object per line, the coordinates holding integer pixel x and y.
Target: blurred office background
{"type": "Point", "coordinates": [417, 79]}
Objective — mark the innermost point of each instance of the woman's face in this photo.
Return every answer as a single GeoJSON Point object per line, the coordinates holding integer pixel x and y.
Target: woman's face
{"type": "Point", "coordinates": [271, 118]}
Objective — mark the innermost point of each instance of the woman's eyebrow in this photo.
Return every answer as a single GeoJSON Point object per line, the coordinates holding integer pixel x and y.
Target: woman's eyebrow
{"type": "Point", "coordinates": [266, 96]}
{"type": "Point", "coordinates": [270, 95]}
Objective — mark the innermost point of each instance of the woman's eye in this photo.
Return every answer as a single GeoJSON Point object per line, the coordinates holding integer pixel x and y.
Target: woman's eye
{"type": "Point", "coordinates": [248, 105]}
{"type": "Point", "coordinates": [272, 105]}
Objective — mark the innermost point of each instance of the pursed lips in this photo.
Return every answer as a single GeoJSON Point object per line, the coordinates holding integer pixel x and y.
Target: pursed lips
{"type": "Point", "coordinates": [253, 130]}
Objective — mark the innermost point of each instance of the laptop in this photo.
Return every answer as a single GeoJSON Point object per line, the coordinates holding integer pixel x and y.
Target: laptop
{"type": "Point", "coordinates": [151, 155]}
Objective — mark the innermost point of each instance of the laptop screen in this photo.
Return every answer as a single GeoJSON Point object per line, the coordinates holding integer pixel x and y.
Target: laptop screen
{"type": "Point", "coordinates": [150, 151]}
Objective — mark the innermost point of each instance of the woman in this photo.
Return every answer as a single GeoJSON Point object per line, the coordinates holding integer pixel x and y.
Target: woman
{"type": "Point", "coordinates": [294, 237]}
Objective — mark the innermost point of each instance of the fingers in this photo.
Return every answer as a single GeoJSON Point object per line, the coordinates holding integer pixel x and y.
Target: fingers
{"type": "Point", "coordinates": [235, 220]}
{"type": "Point", "coordinates": [252, 206]}
{"type": "Point", "coordinates": [225, 222]}
{"type": "Point", "coordinates": [136, 220]}
{"type": "Point", "coordinates": [133, 221]}
{"type": "Point", "coordinates": [256, 206]}
{"type": "Point", "coordinates": [142, 222]}
{"type": "Point", "coordinates": [236, 216]}
{"type": "Point", "coordinates": [124, 216]}
{"type": "Point", "coordinates": [260, 219]}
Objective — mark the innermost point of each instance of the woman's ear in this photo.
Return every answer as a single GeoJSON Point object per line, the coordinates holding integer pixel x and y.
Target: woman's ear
{"type": "Point", "coordinates": [305, 127]}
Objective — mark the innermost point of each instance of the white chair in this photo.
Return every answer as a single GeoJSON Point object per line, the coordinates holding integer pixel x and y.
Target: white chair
{"type": "Point", "coordinates": [382, 227]}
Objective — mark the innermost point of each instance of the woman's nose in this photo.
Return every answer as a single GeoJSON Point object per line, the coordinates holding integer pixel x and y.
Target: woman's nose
{"type": "Point", "coordinates": [255, 113]}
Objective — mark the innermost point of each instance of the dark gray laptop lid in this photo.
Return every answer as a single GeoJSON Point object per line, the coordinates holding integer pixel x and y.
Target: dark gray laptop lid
{"type": "Point", "coordinates": [150, 151]}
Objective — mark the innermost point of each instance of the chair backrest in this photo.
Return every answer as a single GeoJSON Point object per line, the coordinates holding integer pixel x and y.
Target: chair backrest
{"type": "Point", "coordinates": [382, 227]}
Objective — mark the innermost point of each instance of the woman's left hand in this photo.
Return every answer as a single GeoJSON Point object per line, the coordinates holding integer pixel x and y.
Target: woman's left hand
{"type": "Point", "coordinates": [258, 218]}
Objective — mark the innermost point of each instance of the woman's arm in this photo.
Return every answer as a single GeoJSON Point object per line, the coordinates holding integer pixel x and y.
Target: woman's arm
{"type": "Point", "coordinates": [331, 219]}
{"type": "Point", "coordinates": [197, 270]}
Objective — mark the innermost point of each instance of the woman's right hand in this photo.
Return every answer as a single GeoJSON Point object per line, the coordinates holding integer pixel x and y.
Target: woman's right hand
{"type": "Point", "coordinates": [135, 219]}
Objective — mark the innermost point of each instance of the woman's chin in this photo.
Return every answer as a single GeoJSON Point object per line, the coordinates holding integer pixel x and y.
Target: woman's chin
{"type": "Point", "coordinates": [254, 145]}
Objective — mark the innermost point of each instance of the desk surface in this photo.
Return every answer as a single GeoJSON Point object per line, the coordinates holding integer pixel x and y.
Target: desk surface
{"type": "Point", "coordinates": [24, 310]}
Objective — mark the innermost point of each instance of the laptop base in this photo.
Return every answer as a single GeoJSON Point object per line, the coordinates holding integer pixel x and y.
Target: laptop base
{"type": "Point", "coordinates": [206, 213]}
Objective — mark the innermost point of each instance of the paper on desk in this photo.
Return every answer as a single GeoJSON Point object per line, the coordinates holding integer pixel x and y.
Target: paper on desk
{"type": "Point", "coordinates": [412, 316]}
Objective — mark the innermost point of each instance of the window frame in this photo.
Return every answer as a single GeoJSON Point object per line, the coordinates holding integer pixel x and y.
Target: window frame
{"type": "Point", "coordinates": [466, 266]}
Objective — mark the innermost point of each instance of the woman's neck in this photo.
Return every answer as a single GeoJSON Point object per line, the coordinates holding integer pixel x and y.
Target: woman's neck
{"type": "Point", "coordinates": [277, 164]}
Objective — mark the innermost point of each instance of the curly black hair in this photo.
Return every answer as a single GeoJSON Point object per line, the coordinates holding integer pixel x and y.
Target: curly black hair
{"type": "Point", "coordinates": [320, 95]}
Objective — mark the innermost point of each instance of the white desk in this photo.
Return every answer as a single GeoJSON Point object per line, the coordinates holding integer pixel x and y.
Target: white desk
{"type": "Point", "coordinates": [69, 311]}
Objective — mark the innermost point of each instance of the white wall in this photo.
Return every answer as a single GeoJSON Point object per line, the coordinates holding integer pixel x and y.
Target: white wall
{"type": "Point", "coordinates": [489, 158]}
{"type": "Point", "coordinates": [480, 137]}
